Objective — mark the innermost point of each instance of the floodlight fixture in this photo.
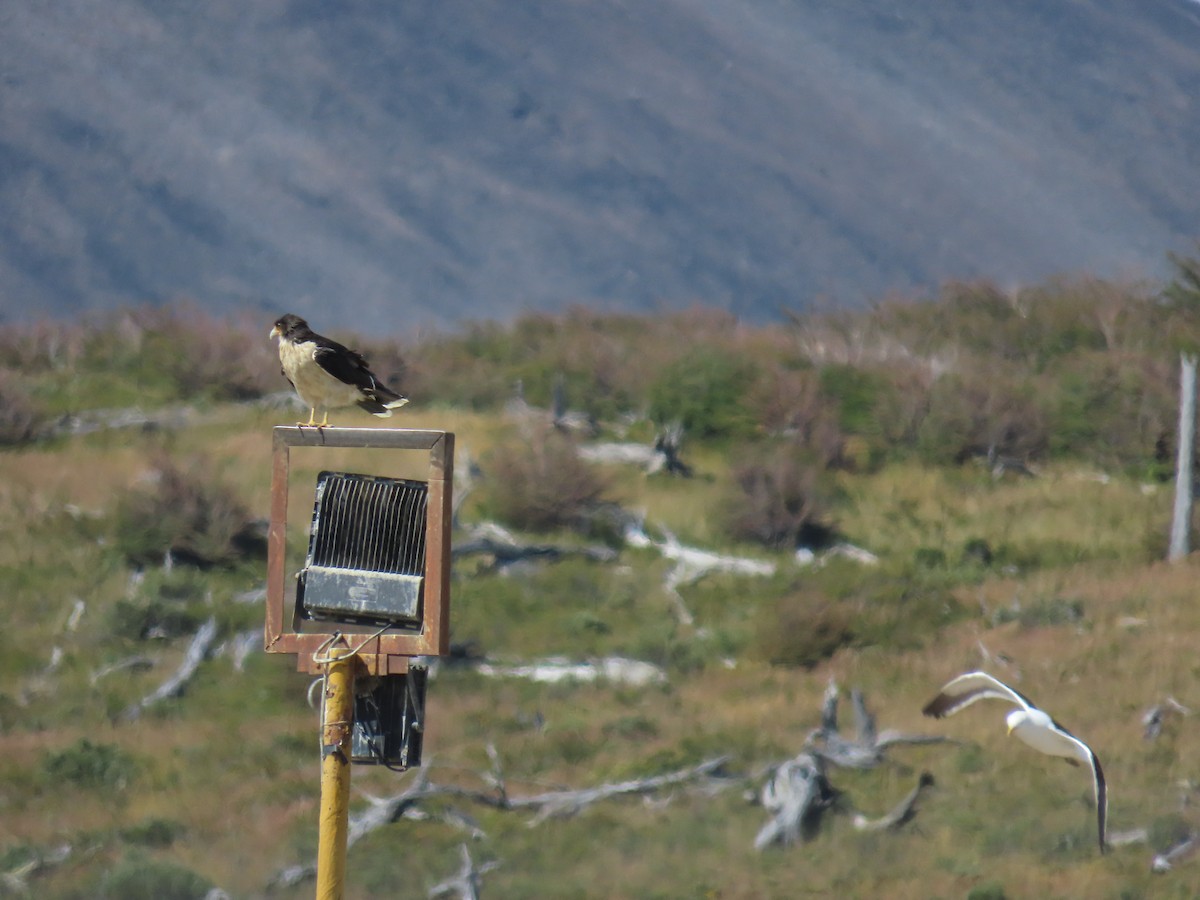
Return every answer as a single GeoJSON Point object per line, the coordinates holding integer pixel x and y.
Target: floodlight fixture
{"type": "Point", "coordinates": [376, 574]}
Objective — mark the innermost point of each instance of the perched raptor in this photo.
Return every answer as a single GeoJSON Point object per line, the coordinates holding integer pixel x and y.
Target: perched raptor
{"type": "Point", "coordinates": [327, 375]}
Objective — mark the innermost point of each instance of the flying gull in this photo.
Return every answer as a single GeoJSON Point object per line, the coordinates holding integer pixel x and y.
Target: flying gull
{"type": "Point", "coordinates": [1030, 724]}
{"type": "Point", "coordinates": [328, 375]}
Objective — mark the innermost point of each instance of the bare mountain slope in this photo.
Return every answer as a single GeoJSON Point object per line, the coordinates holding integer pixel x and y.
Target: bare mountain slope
{"type": "Point", "coordinates": [379, 165]}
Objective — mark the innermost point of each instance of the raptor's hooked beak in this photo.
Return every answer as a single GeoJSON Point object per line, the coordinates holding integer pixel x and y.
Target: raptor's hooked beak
{"type": "Point", "coordinates": [275, 332]}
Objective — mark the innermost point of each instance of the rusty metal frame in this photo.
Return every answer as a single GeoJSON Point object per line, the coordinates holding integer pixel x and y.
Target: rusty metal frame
{"type": "Point", "coordinates": [385, 653]}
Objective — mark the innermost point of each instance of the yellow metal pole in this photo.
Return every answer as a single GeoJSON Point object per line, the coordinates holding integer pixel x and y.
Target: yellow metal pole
{"type": "Point", "coordinates": [336, 729]}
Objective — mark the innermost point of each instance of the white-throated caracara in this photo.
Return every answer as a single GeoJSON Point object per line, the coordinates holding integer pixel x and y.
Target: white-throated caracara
{"type": "Point", "coordinates": [327, 375]}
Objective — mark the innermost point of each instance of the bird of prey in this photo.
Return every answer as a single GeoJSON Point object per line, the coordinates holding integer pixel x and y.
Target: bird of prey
{"type": "Point", "coordinates": [1030, 724]}
{"type": "Point", "coordinates": [327, 375]}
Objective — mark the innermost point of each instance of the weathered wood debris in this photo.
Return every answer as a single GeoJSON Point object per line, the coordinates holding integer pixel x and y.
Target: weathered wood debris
{"type": "Point", "coordinates": [708, 775]}
{"type": "Point", "coordinates": [798, 792]}
{"type": "Point", "coordinates": [1155, 717]}
{"type": "Point", "coordinates": [467, 882]}
{"type": "Point", "coordinates": [196, 652]}
{"type": "Point", "coordinates": [901, 814]}
{"type": "Point", "coordinates": [660, 456]}
{"type": "Point", "coordinates": [691, 564]}
{"type": "Point", "coordinates": [865, 750]}
{"type": "Point", "coordinates": [610, 669]}
{"type": "Point", "coordinates": [504, 549]}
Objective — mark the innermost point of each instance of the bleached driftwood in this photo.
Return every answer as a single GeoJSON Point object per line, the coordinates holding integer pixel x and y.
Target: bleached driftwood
{"type": "Point", "coordinates": [1154, 718]}
{"type": "Point", "coordinates": [174, 685]}
{"type": "Point", "coordinates": [558, 416]}
{"type": "Point", "coordinates": [1125, 838]}
{"type": "Point", "coordinates": [1164, 862]}
{"type": "Point", "coordinates": [16, 879]}
{"type": "Point", "coordinates": [90, 421]}
{"type": "Point", "coordinates": [691, 564]}
{"type": "Point", "coordinates": [866, 749]}
{"type": "Point", "coordinates": [807, 557]}
{"type": "Point", "coordinates": [796, 794]}
{"type": "Point", "coordinates": [611, 669]}
{"type": "Point", "coordinates": [241, 645]}
{"type": "Point", "coordinates": [382, 811]}
{"type": "Point", "coordinates": [662, 455]}
{"type": "Point", "coordinates": [466, 476]}
{"type": "Point", "coordinates": [901, 814]}
{"type": "Point", "coordinates": [77, 610]}
{"type": "Point", "coordinates": [497, 542]}
{"type": "Point", "coordinates": [558, 804]}
{"type": "Point", "coordinates": [466, 883]}
{"type": "Point", "coordinates": [643, 456]}
{"type": "Point", "coordinates": [136, 663]}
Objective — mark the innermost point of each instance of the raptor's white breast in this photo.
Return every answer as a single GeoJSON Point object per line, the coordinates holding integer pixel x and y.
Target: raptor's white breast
{"type": "Point", "coordinates": [315, 386]}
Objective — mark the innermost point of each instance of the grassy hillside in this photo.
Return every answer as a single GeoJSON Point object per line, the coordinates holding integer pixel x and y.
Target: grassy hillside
{"type": "Point", "coordinates": [219, 786]}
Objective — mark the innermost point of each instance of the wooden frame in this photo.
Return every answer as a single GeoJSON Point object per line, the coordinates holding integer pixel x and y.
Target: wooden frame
{"type": "Point", "coordinates": [386, 652]}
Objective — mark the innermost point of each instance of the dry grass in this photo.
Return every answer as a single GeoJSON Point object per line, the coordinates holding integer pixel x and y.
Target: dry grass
{"type": "Point", "coordinates": [235, 760]}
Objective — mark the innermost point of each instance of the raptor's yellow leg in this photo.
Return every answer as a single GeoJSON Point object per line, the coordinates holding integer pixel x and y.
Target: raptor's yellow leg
{"type": "Point", "coordinates": [312, 419]}
{"type": "Point", "coordinates": [324, 420]}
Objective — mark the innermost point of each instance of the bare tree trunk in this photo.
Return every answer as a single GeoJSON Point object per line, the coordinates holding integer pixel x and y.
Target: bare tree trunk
{"type": "Point", "coordinates": [1183, 466]}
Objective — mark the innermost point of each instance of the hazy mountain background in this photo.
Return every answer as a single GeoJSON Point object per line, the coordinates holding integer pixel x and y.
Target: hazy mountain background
{"type": "Point", "coordinates": [379, 165]}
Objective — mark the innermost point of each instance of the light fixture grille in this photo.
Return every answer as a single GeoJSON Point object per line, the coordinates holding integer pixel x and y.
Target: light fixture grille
{"type": "Point", "coordinates": [366, 552]}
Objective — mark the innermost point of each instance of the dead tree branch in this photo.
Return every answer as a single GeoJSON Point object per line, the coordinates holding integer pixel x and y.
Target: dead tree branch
{"type": "Point", "coordinates": [866, 749]}
{"type": "Point", "coordinates": [467, 882]}
{"type": "Point", "coordinates": [558, 804]}
{"type": "Point", "coordinates": [901, 814]}
{"type": "Point", "coordinates": [796, 794]}
{"type": "Point", "coordinates": [1155, 717]}
{"type": "Point", "coordinates": [612, 669]}
{"type": "Point", "coordinates": [504, 549]}
{"type": "Point", "coordinates": [383, 811]}
{"type": "Point", "coordinates": [691, 564]}
{"type": "Point", "coordinates": [136, 663]}
{"type": "Point", "coordinates": [174, 685]}
{"type": "Point", "coordinates": [661, 456]}
{"type": "Point", "coordinates": [1164, 862]}
{"type": "Point", "coordinates": [16, 879]}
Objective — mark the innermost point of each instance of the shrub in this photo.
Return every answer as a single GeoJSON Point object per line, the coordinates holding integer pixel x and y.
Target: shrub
{"type": "Point", "coordinates": [542, 483]}
{"type": "Point", "coordinates": [778, 501]}
{"type": "Point", "coordinates": [992, 890]}
{"type": "Point", "coordinates": [803, 629]}
{"type": "Point", "coordinates": [187, 512]}
{"type": "Point", "coordinates": [88, 765]}
{"type": "Point", "coordinates": [137, 878]}
{"type": "Point", "coordinates": [20, 419]}
{"type": "Point", "coordinates": [151, 618]}
{"type": "Point", "coordinates": [972, 413]}
{"type": "Point", "coordinates": [791, 403]}
{"type": "Point", "coordinates": [704, 391]}
{"type": "Point", "coordinates": [154, 832]}
{"type": "Point", "coordinates": [1112, 408]}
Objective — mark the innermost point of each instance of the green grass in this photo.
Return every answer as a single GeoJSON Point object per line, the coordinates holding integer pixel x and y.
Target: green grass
{"type": "Point", "coordinates": [223, 783]}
